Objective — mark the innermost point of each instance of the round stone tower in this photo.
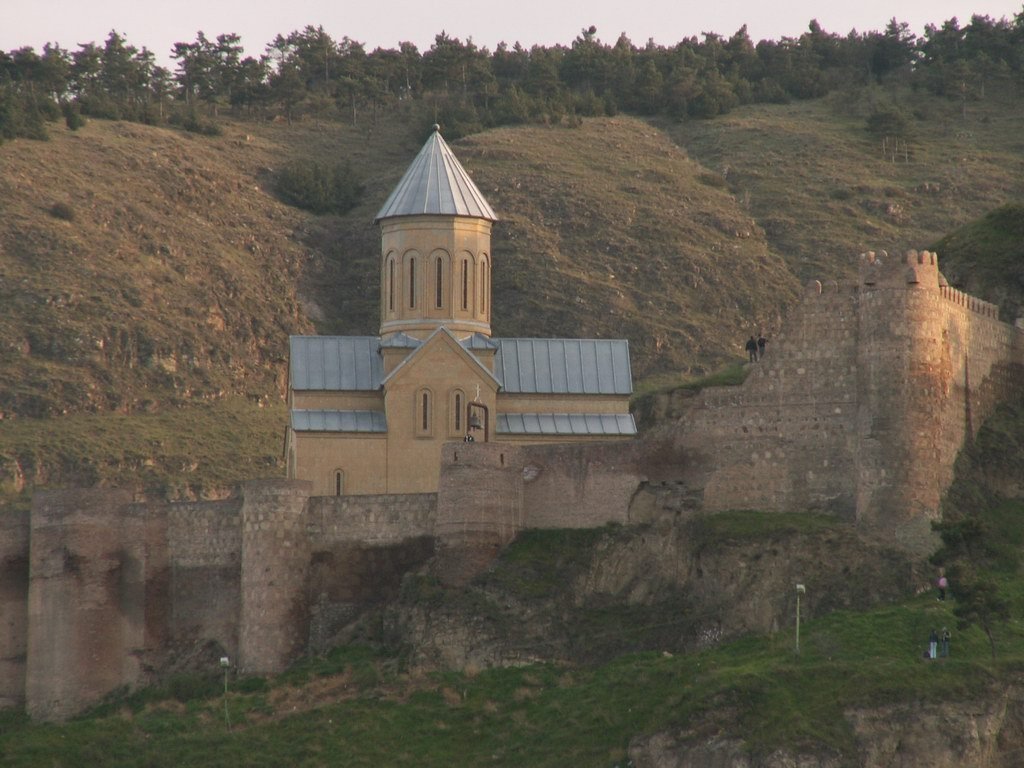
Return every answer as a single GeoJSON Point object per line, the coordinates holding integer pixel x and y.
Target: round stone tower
{"type": "Point", "coordinates": [435, 249]}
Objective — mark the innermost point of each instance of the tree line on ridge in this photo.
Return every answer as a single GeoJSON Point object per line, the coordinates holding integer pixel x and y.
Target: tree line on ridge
{"type": "Point", "coordinates": [308, 73]}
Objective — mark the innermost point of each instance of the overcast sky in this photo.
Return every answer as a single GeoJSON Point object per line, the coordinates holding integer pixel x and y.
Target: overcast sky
{"type": "Point", "coordinates": [158, 24]}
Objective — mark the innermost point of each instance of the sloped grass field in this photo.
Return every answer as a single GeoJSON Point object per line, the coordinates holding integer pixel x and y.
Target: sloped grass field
{"type": "Point", "coordinates": [197, 451]}
{"type": "Point", "coordinates": [819, 185]}
{"type": "Point", "coordinates": [356, 708]}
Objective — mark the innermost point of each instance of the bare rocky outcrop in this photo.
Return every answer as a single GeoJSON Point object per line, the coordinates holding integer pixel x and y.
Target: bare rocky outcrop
{"type": "Point", "coordinates": [676, 585]}
{"type": "Point", "coordinates": [983, 732]}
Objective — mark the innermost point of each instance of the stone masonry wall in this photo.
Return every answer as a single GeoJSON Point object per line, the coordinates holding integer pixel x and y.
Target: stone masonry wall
{"type": "Point", "coordinates": [14, 570]}
{"type": "Point", "coordinates": [204, 541]}
{"type": "Point", "coordinates": [860, 405]}
{"type": "Point", "coordinates": [85, 602]}
{"type": "Point", "coordinates": [787, 438]}
{"type": "Point", "coordinates": [274, 622]}
{"type": "Point", "coordinates": [382, 519]}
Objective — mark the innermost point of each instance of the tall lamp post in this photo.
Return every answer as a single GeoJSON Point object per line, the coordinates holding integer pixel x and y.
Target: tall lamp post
{"type": "Point", "coordinates": [800, 590]}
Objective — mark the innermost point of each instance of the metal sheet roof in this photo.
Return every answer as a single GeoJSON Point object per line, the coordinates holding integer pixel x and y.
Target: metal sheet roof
{"type": "Point", "coordinates": [338, 421]}
{"type": "Point", "coordinates": [566, 424]}
{"type": "Point", "coordinates": [436, 183]}
{"type": "Point", "coordinates": [346, 363]}
{"type": "Point", "coordinates": [564, 366]}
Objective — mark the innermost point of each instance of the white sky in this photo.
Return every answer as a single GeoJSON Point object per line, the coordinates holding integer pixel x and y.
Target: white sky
{"type": "Point", "coordinates": [157, 24]}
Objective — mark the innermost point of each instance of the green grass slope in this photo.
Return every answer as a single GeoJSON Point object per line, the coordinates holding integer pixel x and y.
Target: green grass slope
{"type": "Point", "coordinates": [986, 258]}
{"type": "Point", "coordinates": [822, 190]}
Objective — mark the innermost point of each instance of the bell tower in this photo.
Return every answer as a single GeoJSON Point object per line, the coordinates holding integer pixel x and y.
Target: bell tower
{"type": "Point", "coordinates": [435, 249]}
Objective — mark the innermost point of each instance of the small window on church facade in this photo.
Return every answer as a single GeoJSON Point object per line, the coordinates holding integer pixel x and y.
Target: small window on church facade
{"type": "Point", "coordinates": [457, 417]}
{"type": "Point", "coordinates": [465, 283]}
{"type": "Point", "coordinates": [438, 282]}
{"type": "Point", "coordinates": [424, 413]}
{"type": "Point", "coordinates": [391, 285]}
{"type": "Point", "coordinates": [412, 283]}
{"type": "Point", "coordinates": [483, 286]}
{"type": "Point", "coordinates": [339, 482]}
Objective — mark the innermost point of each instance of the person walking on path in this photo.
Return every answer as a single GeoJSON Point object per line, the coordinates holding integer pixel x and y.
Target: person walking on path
{"type": "Point", "coordinates": [942, 584]}
{"type": "Point", "coordinates": [752, 349]}
{"type": "Point", "coordinates": [761, 342]}
{"type": "Point", "coordinates": [944, 648]}
{"type": "Point", "coordinates": [933, 644]}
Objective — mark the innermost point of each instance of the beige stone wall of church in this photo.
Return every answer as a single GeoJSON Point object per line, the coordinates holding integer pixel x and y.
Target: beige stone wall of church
{"type": "Point", "coordinates": [14, 574]}
{"type": "Point", "coordinates": [425, 238]}
{"type": "Point", "coordinates": [362, 457]}
{"type": "Point", "coordinates": [414, 458]}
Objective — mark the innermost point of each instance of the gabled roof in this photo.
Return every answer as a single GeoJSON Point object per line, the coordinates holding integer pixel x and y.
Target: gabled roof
{"type": "Point", "coordinates": [566, 424]}
{"type": "Point", "coordinates": [441, 334]}
{"type": "Point", "coordinates": [436, 183]}
{"type": "Point", "coordinates": [564, 366]}
{"type": "Point", "coordinates": [478, 341]}
{"type": "Point", "coordinates": [338, 421]}
{"type": "Point", "coordinates": [336, 363]}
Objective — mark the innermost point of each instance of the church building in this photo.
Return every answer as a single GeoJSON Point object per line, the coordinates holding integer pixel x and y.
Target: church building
{"type": "Point", "coordinates": [368, 414]}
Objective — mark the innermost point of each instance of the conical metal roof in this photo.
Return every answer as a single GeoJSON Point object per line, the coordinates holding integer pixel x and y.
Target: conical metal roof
{"type": "Point", "coordinates": [436, 183]}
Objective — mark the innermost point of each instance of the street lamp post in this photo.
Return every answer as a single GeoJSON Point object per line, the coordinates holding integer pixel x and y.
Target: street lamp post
{"type": "Point", "coordinates": [225, 664]}
{"type": "Point", "coordinates": [800, 590]}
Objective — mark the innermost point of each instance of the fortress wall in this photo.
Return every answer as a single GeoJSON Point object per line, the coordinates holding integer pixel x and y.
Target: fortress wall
{"type": "Point", "coordinates": [579, 485]}
{"type": "Point", "coordinates": [14, 544]}
{"type": "Point", "coordinates": [785, 439]}
{"type": "Point", "coordinates": [86, 599]}
{"type": "Point", "coordinates": [924, 348]}
{"type": "Point", "coordinates": [381, 519]}
{"type": "Point", "coordinates": [203, 577]}
{"type": "Point", "coordinates": [479, 506]}
{"type": "Point", "coordinates": [906, 376]}
{"type": "Point", "coordinates": [361, 547]}
{"type": "Point", "coordinates": [274, 616]}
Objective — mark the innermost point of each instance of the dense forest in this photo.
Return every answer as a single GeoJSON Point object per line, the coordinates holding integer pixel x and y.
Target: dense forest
{"type": "Point", "coordinates": [308, 73]}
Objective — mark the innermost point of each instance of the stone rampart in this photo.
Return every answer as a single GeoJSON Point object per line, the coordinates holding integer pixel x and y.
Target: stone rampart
{"type": "Point", "coordinates": [860, 405]}
{"type": "Point", "coordinates": [274, 620]}
{"type": "Point", "coordinates": [14, 571]}
{"type": "Point", "coordinates": [380, 519]}
{"type": "Point", "coordinates": [86, 599]}
{"type": "Point", "coordinates": [203, 592]}
{"type": "Point", "coordinates": [786, 438]}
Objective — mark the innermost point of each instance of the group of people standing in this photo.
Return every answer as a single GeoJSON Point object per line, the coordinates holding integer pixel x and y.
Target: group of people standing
{"type": "Point", "coordinates": [938, 644]}
{"type": "Point", "coordinates": [755, 347]}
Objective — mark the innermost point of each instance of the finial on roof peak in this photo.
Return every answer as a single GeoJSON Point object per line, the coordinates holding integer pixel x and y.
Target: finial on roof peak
{"type": "Point", "coordinates": [435, 128]}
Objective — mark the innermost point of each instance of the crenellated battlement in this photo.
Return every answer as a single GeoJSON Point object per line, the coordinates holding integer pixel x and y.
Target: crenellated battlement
{"type": "Point", "coordinates": [971, 303]}
{"type": "Point", "coordinates": [878, 268]}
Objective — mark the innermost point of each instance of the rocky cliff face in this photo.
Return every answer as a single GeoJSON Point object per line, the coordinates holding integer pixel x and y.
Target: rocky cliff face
{"type": "Point", "coordinates": [674, 585]}
{"type": "Point", "coordinates": [982, 733]}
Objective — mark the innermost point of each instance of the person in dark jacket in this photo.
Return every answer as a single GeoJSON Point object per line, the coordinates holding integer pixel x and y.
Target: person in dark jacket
{"type": "Point", "coordinates": [752, 349]}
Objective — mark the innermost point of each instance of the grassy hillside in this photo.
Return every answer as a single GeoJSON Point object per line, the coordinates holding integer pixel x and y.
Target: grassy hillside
{"type": "Point", "coordinates": [986, 258]}
{"type": "Point", "coordinates": [149, 270]}
{"type": "Point", "coordinates": [823, 191]}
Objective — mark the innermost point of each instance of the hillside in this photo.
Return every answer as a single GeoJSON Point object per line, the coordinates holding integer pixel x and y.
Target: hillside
{"type": "Point", "coordinates": [818, 184]}
{"type": "Point", "coordinates": [162, 287]}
